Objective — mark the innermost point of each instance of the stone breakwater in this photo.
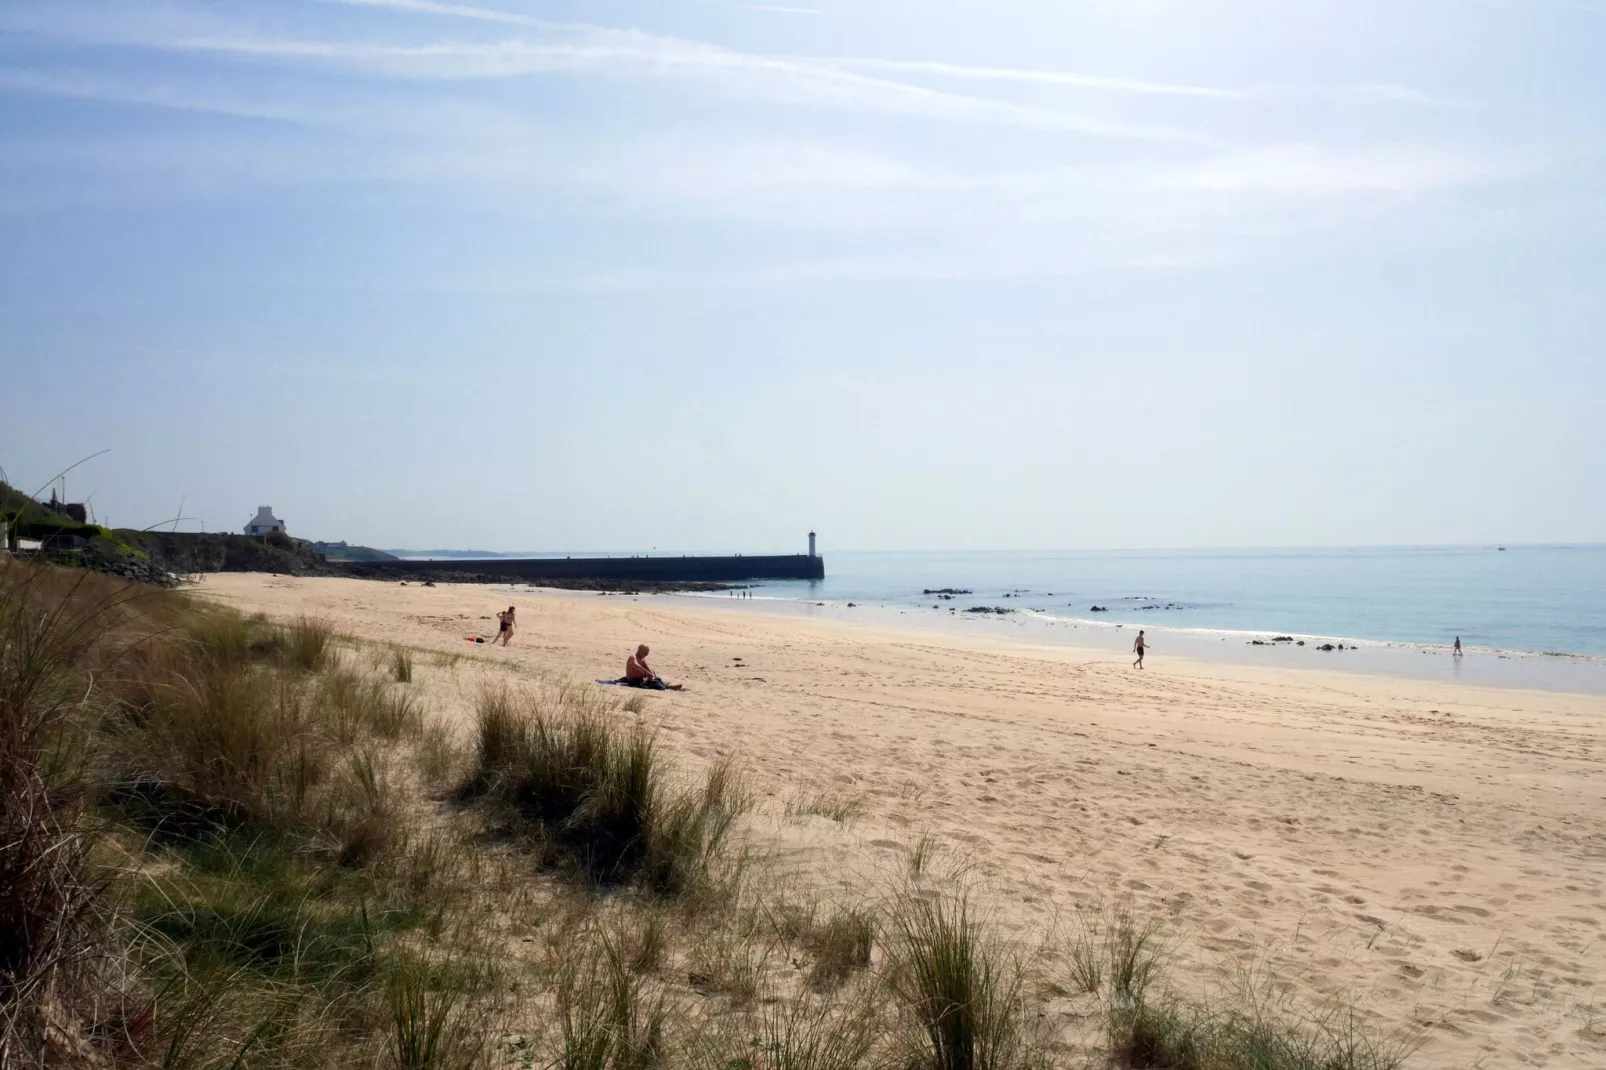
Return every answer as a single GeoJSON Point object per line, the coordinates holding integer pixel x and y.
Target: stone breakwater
{"type": "Point", "coordinates": [612, 571]}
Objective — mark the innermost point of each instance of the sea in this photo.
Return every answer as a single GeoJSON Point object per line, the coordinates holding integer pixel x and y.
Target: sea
{"type": "Point", "coordinates": [1528, 616]}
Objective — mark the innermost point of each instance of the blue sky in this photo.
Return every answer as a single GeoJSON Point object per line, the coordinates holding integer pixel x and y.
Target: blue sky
{"type": "Point", "coordinates": [701, 276]}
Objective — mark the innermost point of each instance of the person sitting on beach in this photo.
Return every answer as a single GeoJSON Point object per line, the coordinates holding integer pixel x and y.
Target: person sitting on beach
{"type": "Point", "coordinates": [505, 626]}
{"type": "Point", "coordinates": [639, 674]}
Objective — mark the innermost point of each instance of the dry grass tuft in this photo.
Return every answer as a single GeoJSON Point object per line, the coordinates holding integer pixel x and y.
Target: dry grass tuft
{"type": "Point", "coordinates": [841, 945]}
{"type": "Point", "coordinates": [401, 664]}
{"type": "Point", "coordinates": [438, 757]}
{"type": "Point", "coordinates": [1175, 1034]}
{"type": "Point", "coordinates": [843, 809]}
{"type": "Point", "coordinates": [609, 1016]}
{"type": "Point", "coordinates": [306, 644]}
{"type": "Point", "coordinates": [806, 1033]}
{"type": "Point", "coordinates": [1116, 948]}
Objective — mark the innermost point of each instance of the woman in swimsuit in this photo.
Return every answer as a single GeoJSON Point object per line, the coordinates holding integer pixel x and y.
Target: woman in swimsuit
{"type": "Point", "coordinates": [505, 632]}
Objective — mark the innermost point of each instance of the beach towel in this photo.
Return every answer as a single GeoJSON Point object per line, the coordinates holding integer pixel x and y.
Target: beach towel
{"type": "Point", "coordinates": [647, 687]}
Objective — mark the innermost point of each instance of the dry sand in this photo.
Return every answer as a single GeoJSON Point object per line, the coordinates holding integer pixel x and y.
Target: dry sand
{"type": "Point", "coordinates": [1434, 853]}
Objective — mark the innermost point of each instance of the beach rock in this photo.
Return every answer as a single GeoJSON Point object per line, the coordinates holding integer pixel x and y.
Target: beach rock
{"type": "Point", "coordinates": [1326, 646]}
{"type": "Point", "coordinates": [949, 591]}
{"type": "Point", "coordinates": [1282, 639]}
{"type": "Point", "coordinates": [1098, 609]}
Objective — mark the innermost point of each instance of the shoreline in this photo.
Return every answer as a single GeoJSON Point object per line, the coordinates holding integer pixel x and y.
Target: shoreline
{"type": "Point", "coordinates": [1582, 674]}
{"type": "Point", "coordinates": [1419, 598]}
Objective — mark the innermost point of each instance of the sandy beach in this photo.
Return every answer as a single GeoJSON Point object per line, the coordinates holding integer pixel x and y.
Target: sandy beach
{"type": "Point", "coordinates": [1434, 853]}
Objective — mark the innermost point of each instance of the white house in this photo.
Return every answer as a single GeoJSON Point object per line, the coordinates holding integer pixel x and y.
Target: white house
{"type": "Point", "coordinates": [264, 522]}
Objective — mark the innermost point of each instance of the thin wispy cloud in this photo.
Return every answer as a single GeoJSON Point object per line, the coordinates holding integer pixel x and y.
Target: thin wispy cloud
{"type": "Point", "coordinates": [631, 54]}
{"type": "Point", "coordinates": [466, 11]}
{"type": "Point", "coordinates": [1063, 79]}
{"type": "Point", "coordinates": [84, 85]}
{"type": "Point", "coordinates": [1109, 84]}
{"type": "Point", "coordinates": [415, 100]}
{"type": "Point", "coordinates": [586, 49]}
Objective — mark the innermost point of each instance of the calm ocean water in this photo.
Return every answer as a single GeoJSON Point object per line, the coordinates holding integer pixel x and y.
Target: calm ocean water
{"type": "Point", "coordinates": [1549, 599]}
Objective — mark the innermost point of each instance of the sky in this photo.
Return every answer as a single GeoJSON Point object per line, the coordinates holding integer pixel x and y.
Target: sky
{"type": "Point", "coordinates": [702, 276]}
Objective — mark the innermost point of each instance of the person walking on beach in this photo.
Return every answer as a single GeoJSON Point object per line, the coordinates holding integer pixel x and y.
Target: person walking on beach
{"type": "Point", "coordinates": [505, 627]}
{"type": "Point", "coordinates": [1139, 645]}
{"type": "Point", "coordinates": [1457, 651]}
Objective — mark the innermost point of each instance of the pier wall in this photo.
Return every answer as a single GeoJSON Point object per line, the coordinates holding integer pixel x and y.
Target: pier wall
{"type": "Point", "coordinates": [647, 569]}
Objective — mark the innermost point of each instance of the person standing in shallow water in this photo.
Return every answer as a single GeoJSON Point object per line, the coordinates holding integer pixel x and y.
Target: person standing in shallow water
{"type": "Point", "coordinates": [1139, 645]}
{"type": "Point", "coordinates": [1457, 651]}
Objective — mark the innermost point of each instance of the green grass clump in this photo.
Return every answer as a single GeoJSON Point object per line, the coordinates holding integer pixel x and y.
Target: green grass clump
{"type": "Point", "coordinates": [962, 991]}
{"type": "Point", "coordinates": [215, 748]}
{"type": "Point", "coordinates": [1116, 948]}
{"type": "Point", "coordinates": [597, 793]}
{"type": "Point", "coordinates": [432, 1025]}
{"type": "Point", "coordinates": [356, 706]}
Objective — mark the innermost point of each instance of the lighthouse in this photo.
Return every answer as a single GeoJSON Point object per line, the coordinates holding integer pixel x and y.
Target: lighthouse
{"type": "Point", "coordinates": [811, 545]}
